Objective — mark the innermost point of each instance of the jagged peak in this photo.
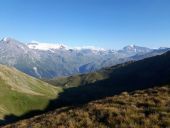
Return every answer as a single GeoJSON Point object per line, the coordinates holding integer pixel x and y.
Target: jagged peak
{"type": "Point", "coordinates": [13, 43]}
{"type": "Point", "coordinates": [10, 40]}
{"type": "Point", "coordinates": [7, 39]}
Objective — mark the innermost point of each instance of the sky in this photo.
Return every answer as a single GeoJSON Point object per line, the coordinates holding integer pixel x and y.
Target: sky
{"type": "Point", "coordinates": [101, 23]}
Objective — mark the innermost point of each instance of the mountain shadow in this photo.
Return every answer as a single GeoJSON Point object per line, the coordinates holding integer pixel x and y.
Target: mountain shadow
{"type": "Point", "coordinates": [147, 73]}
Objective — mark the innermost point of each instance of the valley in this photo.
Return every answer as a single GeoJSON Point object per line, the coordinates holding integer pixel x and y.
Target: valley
{"type": "Point", "coordinates": [85, 64]}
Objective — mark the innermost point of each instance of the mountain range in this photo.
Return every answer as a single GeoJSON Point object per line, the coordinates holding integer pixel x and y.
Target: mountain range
{"type": "Point", "coordinates": [55, 60]}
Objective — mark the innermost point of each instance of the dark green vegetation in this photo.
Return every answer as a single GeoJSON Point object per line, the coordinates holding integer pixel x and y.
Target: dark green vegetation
{"type": "Point", "coordinates": [78, 80]}
{"type": "Point", "coordinates": [147, 73]}
{"type": "Point", "coordinates": [140, 109]}
{"type": "Point", "coordinates": [21, 93]}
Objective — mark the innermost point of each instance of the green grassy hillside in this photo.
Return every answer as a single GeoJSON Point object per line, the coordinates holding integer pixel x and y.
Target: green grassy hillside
{"type": "Point", "coordinates": [21, 93]}
{"type": "Point", "coordinates": [77, 80]}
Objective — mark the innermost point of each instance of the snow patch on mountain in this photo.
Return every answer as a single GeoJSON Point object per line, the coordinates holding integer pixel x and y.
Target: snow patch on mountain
{"type": "Point", "coordinates": [36, 72]}
{"type": "Point", "coordinates": [5, 38]}
{"type": "Point", "coordinates": [45, 46]}
{"type": "Point", "coordinates": [50, 46]}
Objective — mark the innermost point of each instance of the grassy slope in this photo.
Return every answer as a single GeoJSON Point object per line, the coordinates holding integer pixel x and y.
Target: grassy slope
{"type": "Point", "coordinates": [21, 93]}
{"type": "Point", "coordinates": [140, 109]}
{"type": "Point", "coordinates": [77, 80]}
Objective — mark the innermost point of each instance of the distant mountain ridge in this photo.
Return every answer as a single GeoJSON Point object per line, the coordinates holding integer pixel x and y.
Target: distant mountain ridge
{"type": "Point", "coordinates": [49, 60]}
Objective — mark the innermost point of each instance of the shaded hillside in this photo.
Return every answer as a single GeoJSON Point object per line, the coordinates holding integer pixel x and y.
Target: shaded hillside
{"type": "Point", "coordinates": [21, 93]}
{"type": "Point", "coordinates": [78, 80]}
{"type": "Point", "coordinates": [140, 109]}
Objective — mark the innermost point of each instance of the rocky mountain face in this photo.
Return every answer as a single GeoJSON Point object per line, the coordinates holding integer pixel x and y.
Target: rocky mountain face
{"type": "Point", "coordinates": [54, 60]}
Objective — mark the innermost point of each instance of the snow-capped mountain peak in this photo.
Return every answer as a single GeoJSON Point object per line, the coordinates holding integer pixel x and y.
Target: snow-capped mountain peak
{"type": "Point", "coordinates": [130, 47]}
{"type": "Point", "coordinates": [34, 58]}
{"type": "Point", "coordinates": [134, 48]}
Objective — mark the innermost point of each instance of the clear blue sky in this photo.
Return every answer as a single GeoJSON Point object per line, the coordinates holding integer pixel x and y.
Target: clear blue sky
{"type": "Point", "coordinates": [102, 23]}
